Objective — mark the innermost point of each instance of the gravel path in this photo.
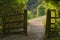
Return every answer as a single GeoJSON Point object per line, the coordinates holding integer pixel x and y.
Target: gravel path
{"type": "Point", "coordinates": [36, 31]}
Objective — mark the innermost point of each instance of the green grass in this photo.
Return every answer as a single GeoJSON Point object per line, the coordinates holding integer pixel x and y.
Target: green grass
{"type": "Point", "coordinates": [44, 22]}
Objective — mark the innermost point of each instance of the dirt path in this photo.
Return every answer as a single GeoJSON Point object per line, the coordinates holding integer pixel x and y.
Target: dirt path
{"type": "Point", "coordinates": [36, 28]}
{"type": "Point", "coordinates": [35, 31]}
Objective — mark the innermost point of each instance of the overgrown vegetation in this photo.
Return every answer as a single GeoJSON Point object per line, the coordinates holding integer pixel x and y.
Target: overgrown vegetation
{"type": "Point", "coordinates": [56, 4]}
{"type": "Point", "coordinates": [36, 8]}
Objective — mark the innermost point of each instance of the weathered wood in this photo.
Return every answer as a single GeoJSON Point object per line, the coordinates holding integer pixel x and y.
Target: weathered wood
{"type": "Point", "coordinates": [59, 14]}
{"type": "Point", "coordinates": [25, 22]}
{"type": "Point", "coordinates": [14, 23]}
{"type": "Point", "coordinates": [51, 32]}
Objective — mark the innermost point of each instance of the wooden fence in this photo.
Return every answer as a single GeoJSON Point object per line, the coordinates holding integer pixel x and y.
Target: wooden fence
{"type": "Point", "coordinates": [13, 23]}
{"type": "Point", "coordinates": [51, 30]}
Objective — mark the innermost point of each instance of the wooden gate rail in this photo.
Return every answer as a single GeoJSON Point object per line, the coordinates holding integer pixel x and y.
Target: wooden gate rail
{"type": "Point", "coordinates": [10, 25]}
{"type": "Point", "coordinates": [51, 32]}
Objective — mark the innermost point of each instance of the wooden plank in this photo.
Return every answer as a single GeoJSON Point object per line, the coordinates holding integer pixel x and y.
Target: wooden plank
{"type": "Point", "coordinates": [13, 15]}
{"type": "Point", "coordinates": [9, 25]}
{"type": "Point", "coordinates": [14, 22]}
{"type": "Point", "coordinates": [54, 17]}
{"type": "Point", "coordinates": [14, 28]}
{"type": "Point", "coordinates": [52, 23]}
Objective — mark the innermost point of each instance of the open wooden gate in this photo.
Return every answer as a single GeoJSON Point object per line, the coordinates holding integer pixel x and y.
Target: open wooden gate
{"type": "Point", "coordinates": [13, 23]}
{"type": "Point", "coordinates": [50, 29]}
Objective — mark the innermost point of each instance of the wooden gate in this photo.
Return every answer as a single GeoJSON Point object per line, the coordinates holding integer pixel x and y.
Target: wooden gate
{"type": "Point", "coordinates": [50, 26]}
{"type": "Point", "coordinates": [13, 23]}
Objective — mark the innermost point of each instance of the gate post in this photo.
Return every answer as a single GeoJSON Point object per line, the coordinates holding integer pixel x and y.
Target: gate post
{"type": "Point", "coordinates": [59, 14]}
{"type": "Point", "coordinates": [51, 30]}
{"type": "Point", "coordinates": [25, 21]}
{"type": "Point", "coordinates": [2, 29]}
{"type": "Point", "coordinates": [48, 21]}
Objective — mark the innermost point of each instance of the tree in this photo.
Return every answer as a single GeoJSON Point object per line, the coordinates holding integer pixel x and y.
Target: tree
{"type": "Point", "coordinates": [12, 6]}
{"type": "Point", "coordinates": [55, 3]}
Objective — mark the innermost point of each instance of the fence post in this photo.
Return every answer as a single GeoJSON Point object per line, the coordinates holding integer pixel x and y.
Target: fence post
{"type": "Point", "coordinates": [3, 28]}
{"type": "Point", "coordinates": [59, 14]}
{"type": "Point", "coordinates": [48, 21]}
{"type": "Point", "coordinates": [25, 21]}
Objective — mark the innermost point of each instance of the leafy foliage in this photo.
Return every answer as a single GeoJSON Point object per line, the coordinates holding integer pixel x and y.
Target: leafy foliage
{"type": "Point", "coordinates": [41, 11]}
{"type": "Point", "coordinates": [34, 7]}
{"type": "Point", "coordinates": [11, 6]}
{"type": "Point", "coordinates": [53, 1]}
{"type": "Point", "coordinates": [32, 4]}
